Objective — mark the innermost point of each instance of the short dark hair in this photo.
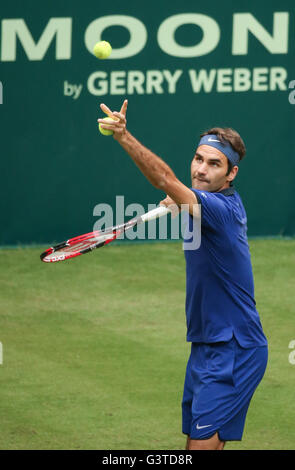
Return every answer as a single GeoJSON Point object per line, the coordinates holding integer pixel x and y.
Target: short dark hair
{"type": "Point", "coordinates": [232, 137]}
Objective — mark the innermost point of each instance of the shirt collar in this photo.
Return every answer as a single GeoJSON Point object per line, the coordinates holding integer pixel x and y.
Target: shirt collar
{"type": "Point", "coordinates": [227, 191]}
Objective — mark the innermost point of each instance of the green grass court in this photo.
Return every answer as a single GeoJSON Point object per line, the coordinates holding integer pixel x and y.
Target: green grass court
{"type": "Point", "coordinates": [94, 349]}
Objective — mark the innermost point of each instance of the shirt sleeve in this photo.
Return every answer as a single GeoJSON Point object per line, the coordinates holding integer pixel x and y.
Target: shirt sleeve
{"type": "Point", "coordinates": [214, 211]}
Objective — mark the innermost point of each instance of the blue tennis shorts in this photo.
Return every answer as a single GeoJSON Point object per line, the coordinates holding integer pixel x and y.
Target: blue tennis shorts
{"type": "Point", "coordinates": [219, 383]}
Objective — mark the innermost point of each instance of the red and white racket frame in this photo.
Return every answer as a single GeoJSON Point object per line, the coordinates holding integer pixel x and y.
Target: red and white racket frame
{"type": "Point", "coordinates": [92, 240]}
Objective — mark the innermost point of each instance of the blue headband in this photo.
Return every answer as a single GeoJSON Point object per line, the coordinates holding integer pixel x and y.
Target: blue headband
{"type": "Point", "coordinates": [224, 147]}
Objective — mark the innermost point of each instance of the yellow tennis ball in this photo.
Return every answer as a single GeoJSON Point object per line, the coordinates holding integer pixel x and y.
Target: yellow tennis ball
{"type": "Point", "coordinates": [105, 131]}
{"type": "Point", "coordinates": [102, 49]}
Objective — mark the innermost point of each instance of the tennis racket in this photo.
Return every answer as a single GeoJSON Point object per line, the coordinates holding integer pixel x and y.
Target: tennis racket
{"type": "Point", "coordinates": [90, 241]}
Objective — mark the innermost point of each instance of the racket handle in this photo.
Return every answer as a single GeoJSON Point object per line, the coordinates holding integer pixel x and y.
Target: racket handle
{"type": "Point", "coordinates": [155, 213]}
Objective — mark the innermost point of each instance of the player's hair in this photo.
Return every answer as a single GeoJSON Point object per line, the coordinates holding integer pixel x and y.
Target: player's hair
{"type": "Point", "coordinates": [232, 137]}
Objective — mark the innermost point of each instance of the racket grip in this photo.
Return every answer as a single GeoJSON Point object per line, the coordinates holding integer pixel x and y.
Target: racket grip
{"type": "Point", "coordinates": [155, 213]}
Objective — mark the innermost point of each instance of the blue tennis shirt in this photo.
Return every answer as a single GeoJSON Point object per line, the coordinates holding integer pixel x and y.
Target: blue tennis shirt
{"type": "Point", "coordinates": [219, 280]}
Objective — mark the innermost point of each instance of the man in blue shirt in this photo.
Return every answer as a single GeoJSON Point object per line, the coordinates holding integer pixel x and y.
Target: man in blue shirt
{"type": "Point", "coordinates": [228, 347]}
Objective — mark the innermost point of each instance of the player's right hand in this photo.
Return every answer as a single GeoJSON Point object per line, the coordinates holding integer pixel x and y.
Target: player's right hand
{"type": "Point", "coordinates": [174, 208]}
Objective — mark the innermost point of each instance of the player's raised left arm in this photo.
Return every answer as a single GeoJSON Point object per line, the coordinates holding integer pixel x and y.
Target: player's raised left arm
{"type": "Point", "coordinates": [153, 167]}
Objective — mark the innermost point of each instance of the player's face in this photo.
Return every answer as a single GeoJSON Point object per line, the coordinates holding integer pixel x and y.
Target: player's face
{"type": "Point", "coordinates": [209, 169]}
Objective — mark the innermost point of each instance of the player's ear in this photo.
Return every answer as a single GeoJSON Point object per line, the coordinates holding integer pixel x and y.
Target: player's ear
{"type": "Point", "coordinates": [233, 173]}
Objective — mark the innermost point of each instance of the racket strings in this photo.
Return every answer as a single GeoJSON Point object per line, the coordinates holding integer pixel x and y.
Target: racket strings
{"type": "Point", "coordinates": [83, 244]}
{"type": "Point", "coordinates": [80, 246]}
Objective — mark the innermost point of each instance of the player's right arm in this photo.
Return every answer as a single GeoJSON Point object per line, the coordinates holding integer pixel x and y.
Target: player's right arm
{"type": "Point", "coordinates": [158, 173]}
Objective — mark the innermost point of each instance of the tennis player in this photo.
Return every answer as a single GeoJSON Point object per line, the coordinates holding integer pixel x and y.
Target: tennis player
{"type": "Point", "coordinates": [228, 347]}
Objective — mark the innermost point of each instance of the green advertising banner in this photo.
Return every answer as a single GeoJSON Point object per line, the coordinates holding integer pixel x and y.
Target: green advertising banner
{"type": "Point", "coordinates": [183, 66]}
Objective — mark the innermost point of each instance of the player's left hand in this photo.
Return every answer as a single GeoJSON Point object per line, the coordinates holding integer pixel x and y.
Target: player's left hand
{"type": "Point", "coordinates": [119, 125]}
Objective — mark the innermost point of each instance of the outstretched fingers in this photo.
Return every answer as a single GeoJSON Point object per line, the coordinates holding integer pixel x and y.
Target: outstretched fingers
{"type": "Point", "coordinates": [106, 110]}
{"type": "Point", "coordinates": [118, 126]}
{"type": "Point", "coordinates": [124, 107]}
